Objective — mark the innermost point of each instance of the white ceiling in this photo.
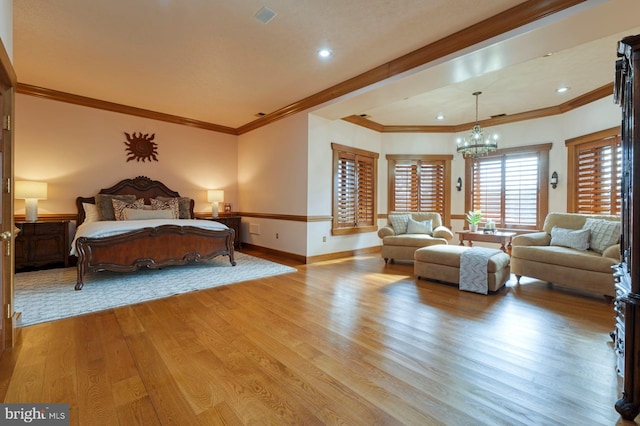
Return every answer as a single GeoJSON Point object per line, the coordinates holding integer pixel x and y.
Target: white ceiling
{"type": "Point", "coordinates": [213, 61]}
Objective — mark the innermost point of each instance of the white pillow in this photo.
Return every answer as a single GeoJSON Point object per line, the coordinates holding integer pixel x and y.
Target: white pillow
{"type": "Point", "coordinates": [90, 212]}
{"type": "Point", "coordinates": [604, 233]}
{"type": "Point", "coordinates": [141, 214]}
{"type": "Point", "coordinates": [423, 227]}
{"type": "Point", "coordinates": [572, 238]}
{"type": "Point", "coordinates": [399, 222]}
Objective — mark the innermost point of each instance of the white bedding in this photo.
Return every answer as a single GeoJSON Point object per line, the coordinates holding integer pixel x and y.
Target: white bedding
{"type": "Point", "coordinates": [114, 227]}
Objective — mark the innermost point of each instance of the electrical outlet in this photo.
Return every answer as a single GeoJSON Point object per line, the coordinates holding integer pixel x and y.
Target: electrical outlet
{"type": "Point", "coordinates": [324, 239]}
{"type": "Point", "coordinates": [277, 236]}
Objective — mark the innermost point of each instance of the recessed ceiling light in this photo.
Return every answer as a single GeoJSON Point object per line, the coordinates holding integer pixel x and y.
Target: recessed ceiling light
{"type": "Point", "coordinates": [325, 53]}
{"type": "Point", "coordinates": [440, 117]}
{"type": "Point", "coordinates": [562, 89]}
{"type": "Point", "coordinates": [546, 55]}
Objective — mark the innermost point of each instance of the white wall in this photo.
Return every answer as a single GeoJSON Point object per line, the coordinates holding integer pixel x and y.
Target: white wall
{"type": "Point", "coordinates": [6, 26]}
{"type": "Point", "coordinates": [322, 133]}
{"type": "Point", "coordinates": [272, 179]}
{"type": "Point", "coordinates": [79, 150]}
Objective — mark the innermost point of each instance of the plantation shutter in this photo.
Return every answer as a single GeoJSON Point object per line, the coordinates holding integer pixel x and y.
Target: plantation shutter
{"type": "Point", "coordinates": [365, 186]}
{"type": "Point", "coordinates": [355, 177]}
{"type": "Point", "coordinates": [418, 184]}
{"type": "Point", "coordinates": [346, 190]}
{"type": "Point", "coordinates": [506, 188]}
{"type": "Point", "coordinates": [487, 188]}
{"type": "Point", "coordinates": [406, 188]}
{"type": "Point", "coordinates": [521, 190]}
{"type": "Point", "coordinates": [432, 187]}
{"type": "Point", "coordinates": [598, 177]}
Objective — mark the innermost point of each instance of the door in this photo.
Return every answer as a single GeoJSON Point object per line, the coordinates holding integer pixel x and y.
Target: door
{"type": "Point", "coordinates": [7, 86]}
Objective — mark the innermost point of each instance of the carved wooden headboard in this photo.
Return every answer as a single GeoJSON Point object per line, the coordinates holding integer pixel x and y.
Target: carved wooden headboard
{"type": "Point", "coordinates": [141, 187]}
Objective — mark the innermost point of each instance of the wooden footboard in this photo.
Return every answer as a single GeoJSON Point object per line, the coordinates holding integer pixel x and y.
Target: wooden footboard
{"type": "Point", "coordinates": [162, 246]}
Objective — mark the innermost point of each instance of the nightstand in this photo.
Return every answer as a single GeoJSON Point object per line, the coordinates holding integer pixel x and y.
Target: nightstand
{"type": "Point", "coordinates": [232, 222]}
{"type": "Point", "coordinates": [42, 244]}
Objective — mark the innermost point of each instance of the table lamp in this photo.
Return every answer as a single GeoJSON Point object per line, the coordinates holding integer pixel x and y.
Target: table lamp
{"type": "Point", "coordinates": [215, 196]}
{"type": "Point", "coordinates": [31, 192]}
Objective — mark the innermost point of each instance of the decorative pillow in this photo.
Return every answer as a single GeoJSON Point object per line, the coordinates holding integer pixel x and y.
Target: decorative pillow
{"type": "Point", "coordinates": [184, 206]}
{"type": "Point", "coordinates": [604, 233]}
{"type": "Point", "coordinates": [399, 222]}
{"type": "Point", "coordinates": [415, 227]}
{"type": "Point", "coordinates": [171, 205]}
{"type": "Point", "coordinates": [141, 214]}
{"type": "Point", "coordinates": [90, 212]}
{"type": "Point", "coordinates": [572, 238]}
{"type": "Point", "coordinates": [120, 206]}
{"type": "Point", "coordinates": [105, 206]}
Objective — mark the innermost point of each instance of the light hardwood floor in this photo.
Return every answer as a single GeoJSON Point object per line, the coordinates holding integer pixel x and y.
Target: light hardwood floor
{"type": "Point", "coordinates": [348, 341]}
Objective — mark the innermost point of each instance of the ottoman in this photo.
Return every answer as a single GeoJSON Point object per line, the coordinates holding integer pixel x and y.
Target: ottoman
{"type": "Point", "coordinates": [442, 263]}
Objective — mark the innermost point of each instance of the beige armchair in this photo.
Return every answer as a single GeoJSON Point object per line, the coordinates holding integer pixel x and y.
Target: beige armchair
{"type": "Point", "coordinates": [406, 232]}
{"type": "Point", "coordinates": [578, 253]}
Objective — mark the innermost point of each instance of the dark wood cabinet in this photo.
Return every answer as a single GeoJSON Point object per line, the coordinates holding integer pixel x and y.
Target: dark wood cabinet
{"type": "Point", "coordinates": [626, 334]}
{"type": "Point", "coordinates": [232, 222]}
{"type": "Point", "coordinates": [41, 244]}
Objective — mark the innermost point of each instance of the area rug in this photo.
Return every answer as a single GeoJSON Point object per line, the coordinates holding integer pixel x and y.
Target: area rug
{"type": "Point", "coordinates": [49, 295]}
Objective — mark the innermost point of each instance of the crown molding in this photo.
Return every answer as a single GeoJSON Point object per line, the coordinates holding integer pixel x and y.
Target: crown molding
{"type": "Point", "coordinates": [587, 98]}
{"type": "Point", "coordinates": [361, 121]}
{"type": "Point", "coordinates": [55, 95]}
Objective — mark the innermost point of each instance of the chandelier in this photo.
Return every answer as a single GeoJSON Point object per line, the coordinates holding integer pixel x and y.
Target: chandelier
{"type": "Point", "coordinates": [476, 144]}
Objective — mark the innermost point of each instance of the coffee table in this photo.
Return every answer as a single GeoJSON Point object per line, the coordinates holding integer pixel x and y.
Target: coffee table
{"type": "Point", "coordinates": [501, 237]}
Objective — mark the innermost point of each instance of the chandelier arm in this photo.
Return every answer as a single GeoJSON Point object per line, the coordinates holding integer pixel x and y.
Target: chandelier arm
{"type": "Point", "coordinates": [477, 145]}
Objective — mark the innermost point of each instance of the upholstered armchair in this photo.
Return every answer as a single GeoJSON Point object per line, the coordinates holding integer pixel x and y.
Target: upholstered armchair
{"type": "Point", "coordinates": [572, 250]}
{"type": "Point", "coordinates": [406, 232]}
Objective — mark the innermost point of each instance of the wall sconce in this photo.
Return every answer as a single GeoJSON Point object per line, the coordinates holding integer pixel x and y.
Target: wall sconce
{"type": "Point", "coordinates": [459, 184]}
{"type": "Point", "coordinates": [554, 180]}
{"type": "Point", "coordinates": [215, 196]}
{"type": "Point", "coordinates": [31, 192]}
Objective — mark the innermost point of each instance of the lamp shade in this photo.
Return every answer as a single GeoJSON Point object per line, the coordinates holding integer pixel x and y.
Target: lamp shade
{"type": "Point", "coordinates": [215, 195]}
{"type": "Point", "coordinates": [31, 190]}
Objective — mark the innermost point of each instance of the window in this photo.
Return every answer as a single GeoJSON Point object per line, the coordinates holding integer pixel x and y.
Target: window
{"type": "Point", "coordinates": [510, 186]}
{"type": "Point", "coordinates": [419, 183]}
{"type": "Point", "coordinates": [595, 170]}
{"type": "Point", "coordinates": [355, 174]}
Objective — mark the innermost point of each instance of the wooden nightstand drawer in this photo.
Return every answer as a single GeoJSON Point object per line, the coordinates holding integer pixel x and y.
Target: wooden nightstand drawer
{"type": "Point", "coordinates": [49, 228]}
{"type": "Point", "coordinates": [41, 244]}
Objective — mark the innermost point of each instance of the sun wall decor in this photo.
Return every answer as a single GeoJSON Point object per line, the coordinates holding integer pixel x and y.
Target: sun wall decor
{"type": "Point", "coordinates": [141, 147]}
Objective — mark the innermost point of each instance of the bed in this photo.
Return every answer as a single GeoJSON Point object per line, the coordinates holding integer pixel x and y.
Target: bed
{"type": "Point", "coordinates": [155, 243]}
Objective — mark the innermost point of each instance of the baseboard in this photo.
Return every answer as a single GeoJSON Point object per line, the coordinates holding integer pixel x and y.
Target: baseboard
{"type": "Point", "coordinates": [342, 254]}
{"type": "Point", "coordinates": [312, 259]}
{"type": "Point", "coordinates": [292, 256]}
